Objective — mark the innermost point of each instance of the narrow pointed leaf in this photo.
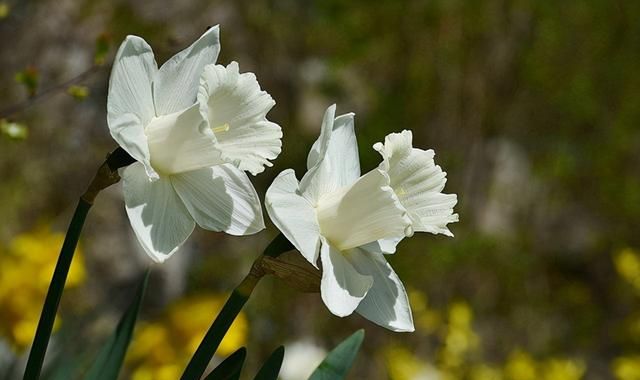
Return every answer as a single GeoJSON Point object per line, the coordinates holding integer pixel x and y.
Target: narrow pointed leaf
{"type": "Point", "coordinates": [271, 368]}
{"type": "Point", "coordinates": [109, 361]}
{"type": "Point", "coordinates": [230, 367]}
{"type": "Point", "coordinates": [63, 370]}
{"type": "Point", "coordinates": [54, 293]}
{"type": "Point", "coordinates": [336, 365]}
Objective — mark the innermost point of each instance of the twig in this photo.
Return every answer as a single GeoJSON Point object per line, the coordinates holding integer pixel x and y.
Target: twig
{"type": "Point", "coordinates": [41, 95]}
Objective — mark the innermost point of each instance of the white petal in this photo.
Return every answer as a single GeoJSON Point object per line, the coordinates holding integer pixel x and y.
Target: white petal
{"type": "Point", "coordinates": [178, 143]}
{"type": "Point", "coordinates": [158, 217]}
{"type": "Point", "coordinates": [128, 132]}
{"type": "Point", "coordinates": [342, 287]}
{"type": "Point", "coordinates": [178, 79]}
{"type": "Point", "coordinates": [333, 161]}
{"type": "Point", "coordinates": [386, 245]}
{"type": "Point", "coordinates": [320, 146]}
{"type": "Point", "coordinates": [362, 213]}
{"type": "Point", "coordinates": [129, 100]}
{"type": "Point", "coordinates": [221, 198]}
{"type": "Point", "coordinates": [294, 215]}
{"type": "Point", "coordinates": [386, 303]}
{"type": "Point", "coordinates": [418, 182]}
{"type": "Point", "coordinates": [236, 109]}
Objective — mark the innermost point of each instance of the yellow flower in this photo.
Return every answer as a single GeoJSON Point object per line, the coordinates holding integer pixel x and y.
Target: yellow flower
{"type": "Point", "coordinates": [627, 263]}
{"type": "Point", "coordinates": [404, 365]}
{"type": "Point", "coordinates": [190, 318]}
{"type": "Point", "coordinates": [460, 339]}
{"type": "Point", "coordinates": [485, 372]}
{"type": "Point", "coordinates": [162, 348]}
{"type": "Point", "coordinates": [563, 369]}
{"type": "Point", "coordinates": [26, 267]}
{"type": "Point", "coordinates": [427, 319]}
{"type": "Point", "coordinates": [627, 368]}
{"type": "Point", "coordinates": [520, 366]}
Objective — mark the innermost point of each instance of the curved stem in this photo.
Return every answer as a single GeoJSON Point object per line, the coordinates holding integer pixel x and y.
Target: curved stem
{"type": "Point", "coordinates": [51, 302]}
{"type": "Point", "coordinates": [105, 177]}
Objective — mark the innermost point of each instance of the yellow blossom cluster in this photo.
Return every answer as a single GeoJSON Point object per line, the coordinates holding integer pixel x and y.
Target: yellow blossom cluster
{"type": "Point", "coordinates": [459, 351]}
{"type": "Point", "coordinates": [161, 349]}
{"type": "Point", "coordinates": [627, 367]}
{"type": "Point", "coordinates": [26, 267]}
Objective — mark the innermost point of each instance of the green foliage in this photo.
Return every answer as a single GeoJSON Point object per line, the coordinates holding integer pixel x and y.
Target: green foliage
{"type": "Point", "coordinates": [337, 364]}
{"type": "Point", "coordinates": [271, 368]}
{"type": "Point", "coordinates": [109, 361]}
{"type": "Point", "coordinates": [230, 368]}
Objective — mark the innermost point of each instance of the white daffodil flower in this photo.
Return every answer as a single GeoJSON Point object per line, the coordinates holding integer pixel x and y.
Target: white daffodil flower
{"type": "Point", "coordinates": [194, 128]}
{"type": "Point", "coordinates": [338, 215]}
{"type": "Point", "coordinates": [350, 221]}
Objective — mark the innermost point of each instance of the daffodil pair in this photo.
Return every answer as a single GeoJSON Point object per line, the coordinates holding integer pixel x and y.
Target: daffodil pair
{"type": "Point", "coordinates": [348, 221]}
{"type": "Point", "coordinates": [195, 128]}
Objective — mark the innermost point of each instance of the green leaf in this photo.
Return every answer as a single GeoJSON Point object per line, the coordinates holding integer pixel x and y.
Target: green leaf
{"type": "Point", "coordinates": [54, 293]}
{"type": "Point", "coordinates": [107, 364]}
{"type": "Point", "coordinates": [336, 365]}
{"type": "Point", "coordinates": [271, 367]}
{"type": "Point", "coordinates": [230, 367]}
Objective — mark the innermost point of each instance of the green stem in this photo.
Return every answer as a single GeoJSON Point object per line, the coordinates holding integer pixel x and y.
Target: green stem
{"type": "Point", "coordinates": [200, 360]}
{"type": "Point", "coordinates": [106, 176]}
{"type": "Point", "coordinates": [51, 302]}
{"type": "Point", "coordinates": [209, 344]}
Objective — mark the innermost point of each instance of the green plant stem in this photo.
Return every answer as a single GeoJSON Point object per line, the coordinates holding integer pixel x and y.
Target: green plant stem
{"type": "Point", "coordinates": [209, 344]}
{"type": "Point", "coordinates": [207, 348]}
{"type": "Point", "coordinates": [106, 176]}
{"type": "Point", "coordinates": [51, 302]}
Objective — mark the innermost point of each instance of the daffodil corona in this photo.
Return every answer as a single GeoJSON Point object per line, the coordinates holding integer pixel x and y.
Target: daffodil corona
{"type": "Point", "coordinates": [194, 127]}
{"type": "Point", "coordinates": [350, 221]}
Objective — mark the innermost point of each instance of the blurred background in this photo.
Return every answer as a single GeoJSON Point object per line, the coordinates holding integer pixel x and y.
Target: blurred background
{"type": "Point", "coordinates": [532, 107]}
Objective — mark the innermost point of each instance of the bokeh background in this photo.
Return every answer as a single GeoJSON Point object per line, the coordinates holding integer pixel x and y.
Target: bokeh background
{"type": "Point", "coordinates": [532, 107]}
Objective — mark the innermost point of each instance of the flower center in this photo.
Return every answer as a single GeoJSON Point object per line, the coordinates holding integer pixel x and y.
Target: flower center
{"type": "Point", "coordinates": [221, 128]}
{"type": "Point", "coordinates": [180, 142]}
